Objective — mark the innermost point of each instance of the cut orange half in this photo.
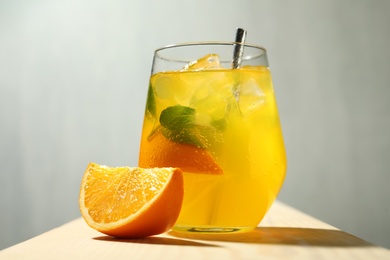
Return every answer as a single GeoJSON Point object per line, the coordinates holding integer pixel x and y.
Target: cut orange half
{"type": "Point", "coordinates": [162, 152]}
{"type": "Point", "coordinates": [131, 202]}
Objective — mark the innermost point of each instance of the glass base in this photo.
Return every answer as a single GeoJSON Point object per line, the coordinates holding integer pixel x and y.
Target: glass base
{"type": "Point", "coordinates": [211, 230]}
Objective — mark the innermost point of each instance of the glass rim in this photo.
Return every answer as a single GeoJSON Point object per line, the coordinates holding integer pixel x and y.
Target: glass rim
{"type": "Point", "coordinates": [159, 52]}
{"type": "Point", "coordinates": [183, 44]}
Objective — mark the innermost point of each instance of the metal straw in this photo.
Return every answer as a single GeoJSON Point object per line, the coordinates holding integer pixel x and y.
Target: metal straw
{"type": "Point", "coordinates": [237, 58]}
{"type": "Point", "coordinates": [238, 48]}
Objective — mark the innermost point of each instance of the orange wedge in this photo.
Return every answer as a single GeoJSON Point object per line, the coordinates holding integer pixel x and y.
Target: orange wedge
{"type": "Point", "coordinates": [162, 152]}
{"type": "Point", "coordinates": [131, 202]}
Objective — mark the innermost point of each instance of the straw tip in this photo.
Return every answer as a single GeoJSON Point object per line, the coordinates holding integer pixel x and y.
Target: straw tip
{"type": "Point", "coordinates": [240, 35]}
{"type": "Point", "coordinates": [238, 48]}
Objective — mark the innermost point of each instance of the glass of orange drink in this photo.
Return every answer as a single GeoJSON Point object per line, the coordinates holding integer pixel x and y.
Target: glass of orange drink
{"type": "Point", "coordinates": [220, 125]}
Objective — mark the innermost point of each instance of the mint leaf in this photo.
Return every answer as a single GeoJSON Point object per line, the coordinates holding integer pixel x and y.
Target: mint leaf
{"type": "Point", "coordinates": [178, 125]}
{"type": "Point", "coordinates": [219, 124]}
{"type": "Point", "coordinates": [183, 137]}
{"type": "Point", "coordinates": [177, 117]}
{"type": "Point", "coordinates": [151, 102]}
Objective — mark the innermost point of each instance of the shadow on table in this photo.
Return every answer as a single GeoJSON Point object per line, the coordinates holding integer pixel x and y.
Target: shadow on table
{"type": "Point", "coordinates": [261, 235]}
{"type": "Point", "coordinates": [283, 236]}
{"type": "Point", "coordinates": [156, 240]}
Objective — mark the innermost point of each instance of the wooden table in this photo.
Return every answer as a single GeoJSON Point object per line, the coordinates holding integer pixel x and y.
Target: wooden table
{"type": "Point", "coordinates": [285, 233]}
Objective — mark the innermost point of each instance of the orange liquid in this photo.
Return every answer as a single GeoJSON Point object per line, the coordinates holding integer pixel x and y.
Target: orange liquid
{"type": "Point", "coordinates": [243, 137]}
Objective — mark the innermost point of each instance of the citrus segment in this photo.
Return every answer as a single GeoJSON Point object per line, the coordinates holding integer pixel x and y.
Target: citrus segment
{"type": "Point", "coordinates": [161, 152]}
{"type": "Point", "coordinates": [131, 201]}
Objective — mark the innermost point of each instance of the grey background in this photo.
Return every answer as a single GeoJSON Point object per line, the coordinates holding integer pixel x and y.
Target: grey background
{"type": "Point", "coordinates": [73, 78]}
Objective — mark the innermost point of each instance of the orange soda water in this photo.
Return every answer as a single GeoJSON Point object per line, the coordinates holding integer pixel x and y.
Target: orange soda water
{"type": "Point", "coordinates": [221, 127]}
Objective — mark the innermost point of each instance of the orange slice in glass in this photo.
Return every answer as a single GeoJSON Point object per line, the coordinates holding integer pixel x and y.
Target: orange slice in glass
{"type": "Point", "coordinates": [162, 152]}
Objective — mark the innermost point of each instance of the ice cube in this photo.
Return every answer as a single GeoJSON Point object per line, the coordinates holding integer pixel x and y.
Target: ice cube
{"type": "Point", "coordinates": [209, 62]}
{"type": "Point", "coordinates": [250, 97]}
{"type": "Point", "coordinates": [209, 104]}
{"type": "Point", "coordinates": [211, 94]}
{"type": "Point", "coordinates": [170, 89]}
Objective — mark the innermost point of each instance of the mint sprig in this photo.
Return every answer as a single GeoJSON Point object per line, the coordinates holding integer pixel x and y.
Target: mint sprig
{"type": "Point", "coordinates": [177, 117]}
{"type": "Point", "coordinates": [178, 125]}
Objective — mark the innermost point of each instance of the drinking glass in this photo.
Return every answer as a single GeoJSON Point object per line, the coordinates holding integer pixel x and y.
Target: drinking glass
{"type": "Point", "coordinates": [219, 123]}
